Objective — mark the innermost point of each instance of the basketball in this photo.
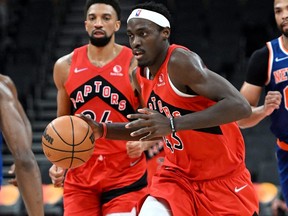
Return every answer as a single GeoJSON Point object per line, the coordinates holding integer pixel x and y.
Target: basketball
{"type": "Point", "coordinates": [68, 141]}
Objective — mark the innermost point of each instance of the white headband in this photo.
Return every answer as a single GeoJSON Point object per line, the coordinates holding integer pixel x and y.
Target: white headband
{"type": "Point", "coordinates": [155, 17]}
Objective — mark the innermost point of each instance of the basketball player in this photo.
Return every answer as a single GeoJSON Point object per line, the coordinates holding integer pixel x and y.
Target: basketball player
{"type": "Point", "coordinates": [267, 69]}
{"type": "Point", "coordinates": [194, 110]}
{"type": "Point", "coordinates": [16, 130]}
{"type": "Point", "coordinates": [94, 81]}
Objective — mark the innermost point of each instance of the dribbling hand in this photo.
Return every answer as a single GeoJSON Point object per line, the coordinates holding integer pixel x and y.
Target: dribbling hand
{"type": "Point", "coordinates": [96, 127]}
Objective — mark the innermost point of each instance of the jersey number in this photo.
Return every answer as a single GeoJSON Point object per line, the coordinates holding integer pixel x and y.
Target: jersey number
{"type": "Point", "coordinates": [178, 145]}
{"type": "Point", "coordinates": [104, 118]}
{"type": "Point", "coordinates": [285, 92]}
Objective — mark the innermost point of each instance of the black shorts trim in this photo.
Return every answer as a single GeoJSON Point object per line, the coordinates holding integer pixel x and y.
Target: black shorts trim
{"type": "Point", "coordinates": [138, 185]}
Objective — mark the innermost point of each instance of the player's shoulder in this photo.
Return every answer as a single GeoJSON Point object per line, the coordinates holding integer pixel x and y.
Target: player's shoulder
{"type": "Point", "coordinates": [5, 79]}
{"type": "Point", "coordinates": [260, 55]}
{"type": "Point", "coordinates": [63, 63]}
{"type": "Point", "coordinates": [64, 59]}
{"type": "Point", "coordinates": [261, 52]}
{"type": "Point", "coordinates": [127, 50]}
{"type": "Point", "coordinates": [7, 86]}
{"type": "Point", "coordinates": [127, 54]}
{"type": "Point", "coordinates": [179, 52]}
{"type": "Point", "coordinates": [182, 57]}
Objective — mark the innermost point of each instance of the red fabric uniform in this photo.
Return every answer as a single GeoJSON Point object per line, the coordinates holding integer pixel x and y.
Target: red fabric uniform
{"type": "Point", "coordinates": [110, 181]}
{"type": "Point", "coordinates": [203, 168]}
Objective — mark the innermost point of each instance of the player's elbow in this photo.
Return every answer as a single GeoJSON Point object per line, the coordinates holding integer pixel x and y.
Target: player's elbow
{"type": "Point", "coordinates": [24, 160]}
{"type": "Point", "coordinates": [243, 109]}
{"type": "Point", "coordinates": [247, 110]}
{"type": "Point", "coordinates": [241, 124]}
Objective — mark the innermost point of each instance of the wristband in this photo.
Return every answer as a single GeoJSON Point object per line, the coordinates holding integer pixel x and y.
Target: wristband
{"type": "Point", "coordinates": [104, 128]}
{"type": "Point", "coordinates": [172, 125]}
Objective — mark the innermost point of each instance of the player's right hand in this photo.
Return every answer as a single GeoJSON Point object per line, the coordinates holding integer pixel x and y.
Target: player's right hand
{"type": "Point", "coordinates": [272, 102]}
{"type": "Point", "coordinates": [148, 124]}
{"type": "Point", "coordinates": [96, 127]}
{"type": "Point", "coordinates": [57, 175]}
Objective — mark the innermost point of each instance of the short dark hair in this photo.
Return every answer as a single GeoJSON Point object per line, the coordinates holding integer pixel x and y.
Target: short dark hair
{"type": "Point", "coordinates": [114, 3]}
{"type": "Point", "coordinates": [156, 7]}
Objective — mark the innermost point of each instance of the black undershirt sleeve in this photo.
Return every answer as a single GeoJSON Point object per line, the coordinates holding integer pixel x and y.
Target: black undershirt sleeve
{"type": "Point", "coordinates": [257, 71]}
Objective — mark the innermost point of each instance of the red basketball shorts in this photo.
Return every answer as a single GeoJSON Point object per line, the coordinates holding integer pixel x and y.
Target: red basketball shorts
{"type": "Point", "coordinates": [231, 195]}
{"type": "Point", "coordinates": [105, 184]}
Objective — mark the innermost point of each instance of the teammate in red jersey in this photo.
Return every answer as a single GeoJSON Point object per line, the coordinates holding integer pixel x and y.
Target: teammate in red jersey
{"type": "Point", "coordinates": [194, 110]}
{"type": "Point", "coordinates": [94, 81]}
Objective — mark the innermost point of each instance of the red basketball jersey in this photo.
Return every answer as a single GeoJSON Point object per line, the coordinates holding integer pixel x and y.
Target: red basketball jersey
{"type": "Point", "coordinates": [103, 93]}
{"type": "Point", "coordinates": [200, 154]}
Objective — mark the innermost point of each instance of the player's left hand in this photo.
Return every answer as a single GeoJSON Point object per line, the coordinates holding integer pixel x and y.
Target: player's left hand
{"type": "Point", "coordinates": [152, 124]}
{"type": "Point", "coordinates": [136, 148]}
{"type": "Point", "coordinates": [11, 171]}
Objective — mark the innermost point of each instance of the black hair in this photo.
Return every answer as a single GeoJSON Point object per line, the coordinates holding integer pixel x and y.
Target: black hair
{"type": "Point", "coordinates": [156, 7]}
{"type": "Point", "coordinates": [114, 3]}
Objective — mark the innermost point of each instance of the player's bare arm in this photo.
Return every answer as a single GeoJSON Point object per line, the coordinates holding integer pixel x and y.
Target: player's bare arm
{"type": "Point", "coordinates": [189, 75]}
{"type": "Point", "coordinates": [60, 75]}
{"type": "Point", "coordinates": [252, 93]}
{"type": "Point", "coordinates": [132, 70]}
{"type": "Point", "coordinates": [10, 85]}
{"type": "Point", "coordinates": [114, 131]}
{"type": "Point", "coordinates": [189, 72]}
{"type": "Point", "coordinates": [134, 82]}
{"type": "Point", "coordinates": [11, 123]}
{"type": "Point", "coordinates": [6, 81]}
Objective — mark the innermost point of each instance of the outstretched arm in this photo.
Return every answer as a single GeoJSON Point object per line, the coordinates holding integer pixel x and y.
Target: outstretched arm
{"type": "Point", "coordinates": [17, 134]}
{"type": "Point", "coordinates": [117, 131]}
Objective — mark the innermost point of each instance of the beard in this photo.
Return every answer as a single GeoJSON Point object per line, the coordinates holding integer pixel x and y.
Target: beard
{"type": "Point", "coordinates": [285, 33]}
{"type": "Point", "coordinates": [281, 29]}
{"type": "Point", "coordinates": [99, 42]}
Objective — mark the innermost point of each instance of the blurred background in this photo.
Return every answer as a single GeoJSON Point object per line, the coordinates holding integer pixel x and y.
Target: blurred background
{"type": "Point", "coordinates": [35, 33]}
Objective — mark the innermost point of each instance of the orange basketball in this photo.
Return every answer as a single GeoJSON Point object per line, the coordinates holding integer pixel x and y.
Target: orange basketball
{"type": "Point", "coordinates": [68, 141]}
